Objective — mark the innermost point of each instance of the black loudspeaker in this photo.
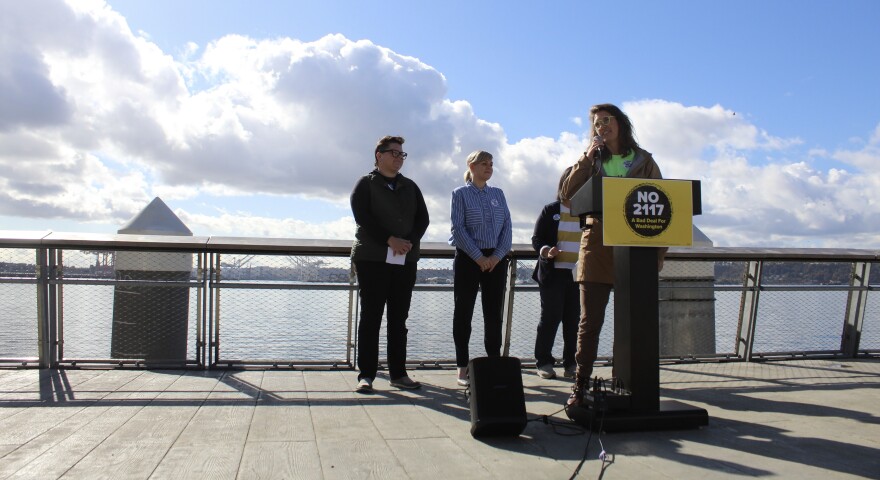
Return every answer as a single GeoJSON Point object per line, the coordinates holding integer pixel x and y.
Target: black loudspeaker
{"type": "Point", "coordinates": [498, 405]}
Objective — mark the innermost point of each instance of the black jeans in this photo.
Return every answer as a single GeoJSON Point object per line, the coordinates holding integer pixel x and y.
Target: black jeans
{"type": "Point", "coordinates": [468, 278]}
{"type": "Point", "coordinates": [560, 303]}
{"type": "Point", "coordinates": [379, 284]}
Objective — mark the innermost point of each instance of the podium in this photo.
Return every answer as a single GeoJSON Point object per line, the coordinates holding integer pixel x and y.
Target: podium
{"type": "Point", "coordinates": [638, 216]}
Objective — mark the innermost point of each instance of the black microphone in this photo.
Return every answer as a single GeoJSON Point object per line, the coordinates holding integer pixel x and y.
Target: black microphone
{"type": "Point", "coordinates": [598, 141]}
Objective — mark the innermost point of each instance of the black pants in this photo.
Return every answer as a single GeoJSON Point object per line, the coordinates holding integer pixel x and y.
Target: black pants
{"type": "Point", "coordinates": [468, 278]}
{"type": "Point", "coordinates": [560, 303]}
{"type": "Point", "coordinates": [379, 284]}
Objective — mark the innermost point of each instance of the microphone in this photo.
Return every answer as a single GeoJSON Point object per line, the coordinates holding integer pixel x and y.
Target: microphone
{"type": "Point", "coordinates": [598, 141]}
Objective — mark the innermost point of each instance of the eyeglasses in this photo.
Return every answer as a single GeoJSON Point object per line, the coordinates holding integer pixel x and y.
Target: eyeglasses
{"type": "Point", "coordinates": [395, 153]}
{"type": "Point", "coordinates": [602, 121]}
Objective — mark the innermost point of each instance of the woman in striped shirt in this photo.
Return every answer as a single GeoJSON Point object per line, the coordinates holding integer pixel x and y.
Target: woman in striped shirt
{"type": "Point", "coordinates": [557, 239]}
{"type": "Point", "coordinates": [481, 235]}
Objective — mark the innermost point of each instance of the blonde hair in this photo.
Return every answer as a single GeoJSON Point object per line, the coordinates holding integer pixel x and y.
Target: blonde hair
{"type": "Point", "coordinates": [475, 157]}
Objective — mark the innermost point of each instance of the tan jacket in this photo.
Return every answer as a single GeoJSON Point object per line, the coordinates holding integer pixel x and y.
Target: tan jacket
{"type": "Point", "coordinates": [595, 260]}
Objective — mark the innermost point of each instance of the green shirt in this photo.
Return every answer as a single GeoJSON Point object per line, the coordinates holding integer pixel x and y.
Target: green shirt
{"type": "Point", "coordinates": [618, 165]}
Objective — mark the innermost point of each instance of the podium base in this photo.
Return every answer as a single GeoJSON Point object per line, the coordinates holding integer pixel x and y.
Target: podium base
{"type": "Point", "coordinates": [673, 415]}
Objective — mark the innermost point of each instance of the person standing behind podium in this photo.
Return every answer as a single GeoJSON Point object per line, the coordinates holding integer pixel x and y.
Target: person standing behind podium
{"type": "Point", "coordinates": [557, 238]}
{"type": "Point", "coordinates": [481, 235]}
{"type": "Point", "coordinates": [613, 152]}
{"type": "Point", "coordinates": [391, 218]}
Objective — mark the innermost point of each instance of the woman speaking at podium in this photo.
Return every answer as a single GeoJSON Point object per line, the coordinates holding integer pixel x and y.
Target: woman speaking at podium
{"type": "Point", "coordinates": [613, 152]}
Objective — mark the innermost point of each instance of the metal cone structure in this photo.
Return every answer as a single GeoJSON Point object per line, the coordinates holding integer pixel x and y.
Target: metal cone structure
{"type": "Point", "coordinates": [150, 304]}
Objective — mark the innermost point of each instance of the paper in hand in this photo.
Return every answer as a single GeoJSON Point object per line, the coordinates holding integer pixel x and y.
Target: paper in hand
{"type": "Point", "coordinates": [394, 259]}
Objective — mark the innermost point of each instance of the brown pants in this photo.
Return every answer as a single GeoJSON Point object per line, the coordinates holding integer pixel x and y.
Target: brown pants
{"type": "Point", "coordinates": [594, 299]}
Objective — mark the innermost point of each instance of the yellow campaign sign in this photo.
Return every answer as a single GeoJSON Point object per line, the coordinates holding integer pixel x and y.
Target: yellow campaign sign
{"type": "Point", "coordinates": [640, 212]}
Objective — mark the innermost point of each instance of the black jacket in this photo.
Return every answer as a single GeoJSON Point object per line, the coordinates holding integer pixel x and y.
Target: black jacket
{"type": "Point", "coordinates": [381, 212]}
{"type": "Point", "coordinates": [546, 233]}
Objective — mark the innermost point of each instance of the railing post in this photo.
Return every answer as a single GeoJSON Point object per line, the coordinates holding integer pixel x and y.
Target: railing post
{"type": "Point", "coordinates": [352, 314]}
{"type": "Point", "coordinates": [748, 310]}
{"type": "Point", "coordinates": [44, 335]}
{"type": "Point", "coordinates": [211, 333]}
{"type": "Point", "coordinates": [56, 303]}
{"type": "Point", "coordinates": [201, 297]}
{"type": "Point", "coordinates": [508, 304]}
{"type": "Point", "coordinates": [856, 301]}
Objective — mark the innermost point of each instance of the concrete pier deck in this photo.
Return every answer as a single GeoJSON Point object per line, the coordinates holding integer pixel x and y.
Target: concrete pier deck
{"type": "Point", "coordinates": [800, 419]}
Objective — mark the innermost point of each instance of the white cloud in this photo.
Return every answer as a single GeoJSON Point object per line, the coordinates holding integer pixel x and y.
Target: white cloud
{"type": "Point", "coordinates": [769, 202]}
{"type": "Point", "coordinates": [866, 157]}
{"type": "Point", "coordinates": [115, 121]}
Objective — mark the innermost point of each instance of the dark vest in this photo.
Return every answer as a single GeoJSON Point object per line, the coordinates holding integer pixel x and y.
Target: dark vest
{"type": "Point", "coordinates": [396, 211]}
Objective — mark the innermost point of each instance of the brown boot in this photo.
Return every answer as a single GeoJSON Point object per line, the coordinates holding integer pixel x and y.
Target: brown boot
{"type": "Point", "coordinates": [576, 399]}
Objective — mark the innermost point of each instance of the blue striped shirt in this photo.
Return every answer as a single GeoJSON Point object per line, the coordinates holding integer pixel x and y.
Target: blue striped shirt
{"type": "Point", "coordinates": [480, 220]}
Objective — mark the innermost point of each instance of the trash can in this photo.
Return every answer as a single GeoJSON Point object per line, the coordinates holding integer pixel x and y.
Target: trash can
{"type": "Point", "coordinates": [150, 320]}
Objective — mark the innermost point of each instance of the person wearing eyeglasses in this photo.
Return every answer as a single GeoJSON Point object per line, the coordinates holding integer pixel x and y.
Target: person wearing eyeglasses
{"type": "Point", "coordinates": [557, 238]}
{"type": "Point", "coordinates": [613, 152]}
{"type": "Point", "coordinates": [391, 218]}
{"type": "Point", "coordinates": [482, 236]}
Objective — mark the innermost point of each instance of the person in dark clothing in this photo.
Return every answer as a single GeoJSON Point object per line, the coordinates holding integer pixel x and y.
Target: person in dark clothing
{"type": "Point", "coordinates": [557, 240]}
{"type": "Point", "coordinates": [391, 218]}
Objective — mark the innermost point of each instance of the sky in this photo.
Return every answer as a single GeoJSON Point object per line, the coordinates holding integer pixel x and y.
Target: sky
{"type": "Point", "coordinates": [256, 118]}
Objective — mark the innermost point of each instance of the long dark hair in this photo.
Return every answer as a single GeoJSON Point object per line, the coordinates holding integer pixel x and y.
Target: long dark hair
{"type": "Point", "coordinates": [626, 136]}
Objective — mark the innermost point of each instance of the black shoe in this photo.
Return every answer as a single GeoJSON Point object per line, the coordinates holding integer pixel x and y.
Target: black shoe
{"type": "Point", "coordinates": [406, 383]}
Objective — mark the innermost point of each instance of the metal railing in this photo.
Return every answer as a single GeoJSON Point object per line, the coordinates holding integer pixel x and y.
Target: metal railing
{"type": "Point", "coordinates": [216, 302]}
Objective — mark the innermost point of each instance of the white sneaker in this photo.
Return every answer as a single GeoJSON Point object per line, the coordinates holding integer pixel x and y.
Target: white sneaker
{"type": "Point", "coordinates": [546, 371]}
{"type": "Point", "coordinates": [463, 379]}
{"type": "Point", "coordinates": [365, 385]}
{"type": "Point", "coordinates": [571, 371]}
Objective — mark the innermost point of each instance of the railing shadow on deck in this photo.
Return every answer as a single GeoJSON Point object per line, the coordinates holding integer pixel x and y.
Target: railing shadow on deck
{"type": "Point", "coordinates": [705, 386]}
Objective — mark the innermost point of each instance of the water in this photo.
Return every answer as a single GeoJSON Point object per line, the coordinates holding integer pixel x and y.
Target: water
{"type": "Point", "coordinates": [312, 325]}
{"type": "Point", "coordinates": [18, 320]}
